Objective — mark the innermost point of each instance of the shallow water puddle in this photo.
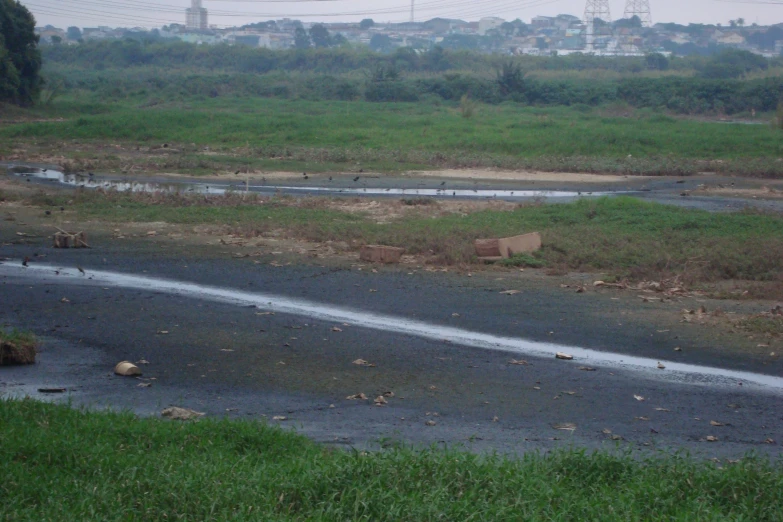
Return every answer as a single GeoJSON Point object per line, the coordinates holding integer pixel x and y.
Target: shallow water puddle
{"type": "Point", "coordinates": [677, 372]}
{"type": "Point", "coordinates": [96, 182]}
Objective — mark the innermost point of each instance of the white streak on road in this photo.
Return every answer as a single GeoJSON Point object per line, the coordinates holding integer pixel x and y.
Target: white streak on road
{"type": "Point", "coordinates": [675, 371]}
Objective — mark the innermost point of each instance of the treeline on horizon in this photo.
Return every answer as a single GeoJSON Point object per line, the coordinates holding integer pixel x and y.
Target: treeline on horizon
{"type": "Point", "coordinates": [166, 70]}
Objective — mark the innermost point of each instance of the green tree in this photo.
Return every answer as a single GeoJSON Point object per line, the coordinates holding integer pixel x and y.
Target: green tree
{"type": "Point", "coordinates": [366, 24]}
{"type": "Point", "coordinates": [301, 38]}
{"type": "Point", "coordinates": [20, 58]}
{"type": "Point", "coordinates": [74, 33]}
{"type": "Point", "coordinates": [320, 36]}
{"type": "Point", "coordinates": [656, 62]}
{"type": "Point", "coordinates": [510, 78]}
{"type": "Point", "coordinates": [380, 42]}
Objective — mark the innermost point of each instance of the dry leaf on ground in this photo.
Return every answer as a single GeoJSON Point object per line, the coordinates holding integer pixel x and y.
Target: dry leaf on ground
{"type": "Point", "coordinates": [362, 362]}
{"type": "Point", "coordinates": [586, 369]}
{"type": "Point", "coordinates": [279, 418]}
{"type": "Point", "coordinates": [716, 423]}
{"type": "Point", "coordinates": [510, 292]}
{"type": "Point", "coordinates": [570, 426]}
{"type": "Point", "coordinates": [177, 413]}
{"type": "Point", "coordinates": [357, 397]}
{"type": "Point", "coordinates": [564, 356]}
{"type": "Point", "coordinates": [380, 400]}
{"type": "Point", "coordinates": [520, 362]}
{"type": "Point", "coordinates": [711, 438]}
{"type": "Point", "coordinates": [638, 397]}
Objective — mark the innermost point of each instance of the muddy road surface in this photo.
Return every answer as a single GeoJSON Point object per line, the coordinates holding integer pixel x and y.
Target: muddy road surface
{"type": "Point", "coordinates": [454, 359]}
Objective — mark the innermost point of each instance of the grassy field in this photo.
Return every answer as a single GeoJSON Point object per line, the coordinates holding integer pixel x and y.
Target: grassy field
{"type": "Point", "coordinates": [64, 464]}
{"type": "Point", "coordinates": [291, 135]}
{"type": "Point", "coordinates": [625, 236]}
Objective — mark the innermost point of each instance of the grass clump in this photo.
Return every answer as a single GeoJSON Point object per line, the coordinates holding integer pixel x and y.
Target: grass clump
{"type": "Point", "coordinates": [63, 464]}
{"type": "Point", "coordinates": [17, 347]}
{"type": "Point", "coordinates": [523, 260]}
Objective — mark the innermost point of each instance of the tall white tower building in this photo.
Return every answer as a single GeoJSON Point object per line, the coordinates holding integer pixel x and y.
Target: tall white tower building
{"type": "Point", "coordinates": [196, 16]}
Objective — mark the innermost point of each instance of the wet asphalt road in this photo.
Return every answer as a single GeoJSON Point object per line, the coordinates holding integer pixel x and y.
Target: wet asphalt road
{"type": "Point", "coordinates": [234, 360]}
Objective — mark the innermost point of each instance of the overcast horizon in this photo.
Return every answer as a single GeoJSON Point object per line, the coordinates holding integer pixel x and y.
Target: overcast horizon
{"type": "Point", "coordinates": [151, 14]}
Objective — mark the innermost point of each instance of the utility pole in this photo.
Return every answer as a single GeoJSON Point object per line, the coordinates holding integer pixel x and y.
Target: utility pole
{"type": "Point", "coordinates": [640, 8]}
{"type": "Point", "coordinates": [412, 18]}
{"type": "Point", "coordinates": [597, 9]}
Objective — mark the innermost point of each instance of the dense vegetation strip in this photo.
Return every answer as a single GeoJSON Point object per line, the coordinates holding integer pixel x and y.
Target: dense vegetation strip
{"type": "Point", "coordinates": [63, 464]}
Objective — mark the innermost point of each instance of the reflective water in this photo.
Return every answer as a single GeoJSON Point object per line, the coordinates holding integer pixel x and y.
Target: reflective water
{"type": "Point", "coordinates": [125, 185]}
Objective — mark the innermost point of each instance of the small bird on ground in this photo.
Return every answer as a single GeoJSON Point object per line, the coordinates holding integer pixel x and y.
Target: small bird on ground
{"type": "Point", "coordinates": [236, 173]}
{"type": "Point", "coordinates": [356, 178]}
{"type": "Point", "coordinates": [25, 261]}
{"type": "Point", "coordinates": [306, 176]}
{"type": "Point", "coordinates": [90, 174]}
{"type": "Point", "coordinates": [361, 170]}
{"type": "Point", "coordinates": [62, 209]}
{"type": "Point", "coordinates": [48, 212]}
{"type": "Point", "coordinates": [330, 178]}
{"type": "Point", "coordinates": [80, 269]}
{"type": "Point", "coordinates": [44, 170]}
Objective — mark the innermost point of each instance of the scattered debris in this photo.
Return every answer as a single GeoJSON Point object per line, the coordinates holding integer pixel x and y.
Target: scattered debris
{"type": "Point", "coordinates": [381, 254]}
{"type": "Point", "coordinates": [380, 400]}
{"type": "Point", "coordinates": [510, 292]}
{"type": "Point", "coordinates": [279, 418]}
{"type": "Point", "coordinates": [177, 413]}
{"type": "Point", "coordinates": [661, 409]}
{"type": "Point", "coordinates": [570, 426]}
{"type": "Point", "coordinates": [357, 397]}
{"type": "Point", "coordinates": [711, 438]}
{"type": "Point", "coordinates": [716, 423]}
{"type": "Point", "coordinates": [336, 329]}
{"type": "Point", "coordinates": [520, 362]}
{"type": "Point", "coordinates": [63, 239]}
{"type": "Point", "coordinates": [606, 431]}
{"type": "Point", "coordinates": [638, 397]}
{"type": "Point", "coordinates": [362, 362]}
{"type": "Point", "coordinates": [661, 366]}
{"type": "Point", "coordinates": [430, 423]}
{"type": "Point", "coordinates": [65, 300]}
{"type": "Point", "coordinates": [769, 441]}
{"type": "Point", "coordinates": [564, 356]}
{"type": "Point", "coordinates": [142, 361]}
{"type": "Point", "coordinates": [51, 390]}
{"type": "Point", "coordinates": [127, 369]}
{"type": "Point", "coordinates": [144, 384]}
{"type": "Point", "coordinates": [642, 418]}
{"type": "Point", "coordinates": [677, 349]}
{"type": "Point", "coordinates": [587, 369]}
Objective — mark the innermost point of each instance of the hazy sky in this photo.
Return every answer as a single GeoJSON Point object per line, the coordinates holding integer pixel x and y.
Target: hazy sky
{"type": "Point", "coordinates": [155, 13]}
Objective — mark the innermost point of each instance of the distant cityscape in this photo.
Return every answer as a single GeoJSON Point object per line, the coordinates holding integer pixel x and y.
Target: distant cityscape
{"type": "Point", "coordinates": [541, 36]}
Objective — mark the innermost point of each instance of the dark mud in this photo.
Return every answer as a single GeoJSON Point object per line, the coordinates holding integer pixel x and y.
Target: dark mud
{"type": "Point", "coordinates": [231, 359]}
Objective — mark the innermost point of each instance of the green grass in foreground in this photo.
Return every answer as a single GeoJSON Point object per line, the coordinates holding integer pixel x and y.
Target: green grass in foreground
{"type": "Point", "coordinates": [624, 235]}
{"type": "Point", "coordinates": [399, 135]}
{"type": "Point", "coordinates": [63, 464]}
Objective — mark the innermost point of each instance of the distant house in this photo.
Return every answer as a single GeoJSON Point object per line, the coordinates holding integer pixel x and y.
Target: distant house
{"type": "Point", "coordinates": [542, 22]}
{"type": "Point", "coordinates": [487, 24]}
{"type": "Point", "coordinates": [731, 39]}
